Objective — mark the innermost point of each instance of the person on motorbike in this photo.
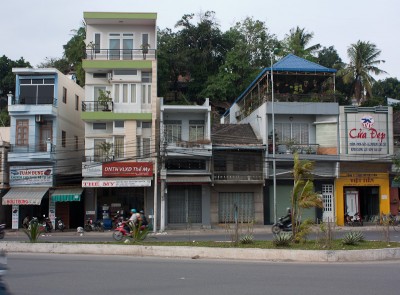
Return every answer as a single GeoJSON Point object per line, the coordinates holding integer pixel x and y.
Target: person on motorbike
{"type": "Point", "coordinates": [25, 222]}
{"type": "Point", "coordinates": [287, 219]}
{"type": "Point", "coordinates": [132, 220]}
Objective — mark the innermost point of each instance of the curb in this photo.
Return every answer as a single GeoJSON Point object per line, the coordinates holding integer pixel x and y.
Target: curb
{"type": "Point", "coordinates": [206, 252]}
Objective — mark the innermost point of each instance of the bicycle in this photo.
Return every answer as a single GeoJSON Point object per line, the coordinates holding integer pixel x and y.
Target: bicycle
{"type": "Point", "coordinates": [391, 220]}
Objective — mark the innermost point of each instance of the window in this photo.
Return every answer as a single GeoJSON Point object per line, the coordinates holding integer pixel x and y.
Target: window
{"type": "Point", "coordinates": [146, 125]}
{"type": "Point", "coordinates": [146, 147]}
{"type": "Point", "coordinates": [76, 142]}
{"type": "Point", "coordinates": [133, 93]}
{"type": "Point", "coordinates": [1, 161]}
{"type": "Point", "coordinates": [99, 126]}
{"type": "Point", "coordinates": [138, 146]}
{"type": "Point", "coordinates": [36, 91]}
{"type": "Point", "coordinates": [119, 146]}
{"type": "Point", "coordinates": [146, 94]}
{"type": "Point", "coordinates": [145, 39]}
{"type": "Point", "coordinates": [185, 164]}
{"type": "Point", "coordinates": [125, 92]}
{"type": "Point", "coordinates": [196, 130]}
{"type": "Point", "coordinates": [173, 130]}
{"type": "Point", "coordinates": [116, 93]}
{"type": "Point", "coordinates": [146, 77]}
{"type": "Point", "coordinates": [125, 72]}
{"type": "Point", "coordinates": [76, 102]}
{"type": "Point", "coordinates": [99, 75]}
{"type": "Point", "coordinates": [22, 132]}
{"type": "Point", "coordinates": [97, 43]}
{"type": "Point", "coordinates": [63, 138]}
{"type": "Point", "coordinates": [118, 41]}
{"type": "Point", "coordinates": [119, 124]}
{"type": "Point", "coordinates": [295, 132]}
{"type": "Point", "coordinates": [64, 97]}
{"type": "Point", "coordinates": [98, 149]}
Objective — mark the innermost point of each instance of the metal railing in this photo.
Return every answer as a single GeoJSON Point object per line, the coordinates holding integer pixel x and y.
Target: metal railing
{"type": "Point", "coordinates": [120, 54]}
{"type": "Point", "coordinates": [34, 100]}
{"type": "Point", "coordinates": [285, 148]}
{"type": "Point", "coordinates": [238, 175]}
{"type": "Point", "coordinates": [37, 148]}
{"type": "Point", "coordinates": [95, 106]}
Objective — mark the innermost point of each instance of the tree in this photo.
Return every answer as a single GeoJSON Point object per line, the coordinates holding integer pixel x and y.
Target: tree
{"type": "Point", "coordinates": [60, 64]}
{"type": "Point", "coordinates": [328, 57]}
{"type": "Point", "coordinates": [249, 43]}
{"type": "Point", "coordinates": [7, 78]}
{"type": "Point", "coordinates": [363, 58]}
{"type": "Point", "coordinates": [74, 53]}
{"type": "Point", "coordinates": [303, 194]}
{"type": "Point", "coordinates": [296, 42]}
{"type": "Point", "coordinates": [390, 87]}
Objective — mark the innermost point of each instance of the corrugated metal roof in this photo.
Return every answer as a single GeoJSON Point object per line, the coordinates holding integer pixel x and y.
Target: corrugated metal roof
{"type": "Point", "coordinates": [234, 135]}
{"type": "Point", "coordinates": [289, 63]}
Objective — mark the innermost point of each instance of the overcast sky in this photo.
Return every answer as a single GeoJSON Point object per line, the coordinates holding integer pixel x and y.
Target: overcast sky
{"type": "Point", "coordinates": [38, 29]}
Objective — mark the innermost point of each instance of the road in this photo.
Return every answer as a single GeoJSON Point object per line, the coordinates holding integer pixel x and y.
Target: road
{"type": "Point", "coordinates": [78, 274]}
{"type": "Point", "coordinates": [263, 233]}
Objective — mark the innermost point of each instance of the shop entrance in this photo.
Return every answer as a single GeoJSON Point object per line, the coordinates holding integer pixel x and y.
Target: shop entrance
{"type": "Point", "coordinates": [364, 199]}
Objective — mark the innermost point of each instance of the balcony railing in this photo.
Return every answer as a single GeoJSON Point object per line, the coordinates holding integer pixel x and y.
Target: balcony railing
{"type": "Point", "coordinates": [95, 106]}
{"type": "Point", "coordinates": [285, 148]}
{"type": "Point", "coordinates": [99, 159]}
{"type": "Point", "coordinates": [34, 100]}
{"type": "Point", "coordinates": [37, 148]}
{"type": "Point", "coordinates": [238, 176]}
{"type": "Point", "coordinates": [120, 54]}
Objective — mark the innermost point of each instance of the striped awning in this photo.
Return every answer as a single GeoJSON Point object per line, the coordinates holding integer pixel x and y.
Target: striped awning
{"type": "Point", "coordinates": [67, 194]}
{"type": "Point", "coordinates": [188, 179]}
{"type": "Point", "coordinates": [24, 196]}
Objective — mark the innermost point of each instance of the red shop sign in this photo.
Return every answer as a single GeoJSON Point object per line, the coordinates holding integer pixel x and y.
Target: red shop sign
{"type": "Point", "coordinates": [128, 169]}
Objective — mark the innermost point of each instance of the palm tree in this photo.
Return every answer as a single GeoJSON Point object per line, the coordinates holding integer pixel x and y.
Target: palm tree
{"type": "Point", "coordinates": [363, 61]}
{"type": "Point", "coordinates": [303, 194]}
{"type": "Point", "coordinates": [296, 42]}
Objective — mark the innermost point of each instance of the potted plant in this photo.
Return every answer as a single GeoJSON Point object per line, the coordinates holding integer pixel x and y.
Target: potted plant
{"type": "Point", "coordinates": [104, 99]}
{"type": "Point", "coordinates": [91, 46]}
{"type": "Point", "coordinates": [106, 149]}
{"type": "Point", "coordinates": [145, 49]}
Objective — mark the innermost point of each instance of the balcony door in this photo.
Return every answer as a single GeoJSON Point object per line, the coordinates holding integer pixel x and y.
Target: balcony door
{"type": "Point", "coordinates": [46, 133]}
{"type": "Point", "coordinates": [118, 42]}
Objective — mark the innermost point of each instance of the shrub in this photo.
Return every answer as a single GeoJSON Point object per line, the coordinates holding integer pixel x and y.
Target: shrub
{"type": "Point", "coordinates": [353, 238]}
{"type": "Point", "coordinates": [283, 239]}
{"type": "Point", "coordinates": [247, 239]}
{"type": "Point", "coordinates": [33, 231]}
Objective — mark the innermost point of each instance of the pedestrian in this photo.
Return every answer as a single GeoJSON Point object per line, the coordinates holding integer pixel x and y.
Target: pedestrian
{"type": "Point", "coordinates": [25, 222]}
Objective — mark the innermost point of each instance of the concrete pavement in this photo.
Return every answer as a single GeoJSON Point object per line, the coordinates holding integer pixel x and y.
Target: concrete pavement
{"type": "Point", "coordinates": [205, 252]}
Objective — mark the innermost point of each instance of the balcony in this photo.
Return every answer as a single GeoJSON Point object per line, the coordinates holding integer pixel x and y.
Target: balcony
{"type": "Point", "coordinates": [120, 54]}
{"type": "Point", "coordinates": [238, 177]}
{"type": "Point", "coordinates": [95, 106]}
{"type": "Point", "coordinates": [34, 100]}
{"type": "Point", "coordinates": [199, 148]}
{"type": "Point", "coordinates": [28, 153]}
{"type": "Point", "coordinates": [285, 148]}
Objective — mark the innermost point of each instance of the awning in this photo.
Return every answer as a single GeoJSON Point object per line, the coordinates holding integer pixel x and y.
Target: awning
{"type": "Point", "coordinates": [396, 183]}
{"type": "Point", "coordinates": [188, 179]}
{"type": "Point", "coordinates": [24, 196]}
{"type": "Point", "coordinates": [67, 194]}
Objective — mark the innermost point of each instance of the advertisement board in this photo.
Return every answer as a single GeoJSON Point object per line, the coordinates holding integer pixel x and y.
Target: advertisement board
{"type": "Point", "coordinates": [31, 175]}
{"type": "Point", "coordinates": [128, 169]}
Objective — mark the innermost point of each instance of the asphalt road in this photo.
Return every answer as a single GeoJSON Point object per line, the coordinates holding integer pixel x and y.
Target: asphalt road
{"type": "Point", "coordinates": [260, 233]}
{"type": "Point", "coordinates": [78, 274]}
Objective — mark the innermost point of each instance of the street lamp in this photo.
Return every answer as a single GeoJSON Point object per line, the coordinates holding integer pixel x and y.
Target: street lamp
{"type": "Point", "coordinates": [273, 135]}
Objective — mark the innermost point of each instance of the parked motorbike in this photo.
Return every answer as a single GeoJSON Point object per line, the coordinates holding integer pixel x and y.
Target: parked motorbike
{"type": "Point", "coordinates": [280, 226]}
{"type": "Point", "coordinates": [59, 224]}
{"type": "Point", "coordinates": [2, 231]}
{"type": "Point", "coordinates": [48, 226]}
{"type": "Point", "coordinates": [353, 221]}
{"type": "Point", "coordinates": [91, 225]}
{"type": "Point", "coordinates": [117, 219]}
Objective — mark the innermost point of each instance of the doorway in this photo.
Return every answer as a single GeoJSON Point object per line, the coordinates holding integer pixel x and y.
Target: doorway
{"type": "Point", "coordinates": [363, 199]}
{"type": "Point", "coordinates": [46, 132]}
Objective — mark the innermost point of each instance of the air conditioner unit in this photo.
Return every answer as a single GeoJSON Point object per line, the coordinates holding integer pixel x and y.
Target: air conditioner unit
{"type": "Point", "coordinates": [109, 76]}
{"type": "Point", "coordinates": [39, 119]}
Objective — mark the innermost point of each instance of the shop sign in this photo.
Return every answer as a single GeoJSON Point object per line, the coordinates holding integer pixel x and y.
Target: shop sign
{"type": "Point", "coordinates": [363, 179]}
{"type": "Point", "coordinates": [15, 217]}
{"type": "Point", "coordinates": [91, 169]}
{"type": "Point", "coordinates": [31, 175]}
{"type": "Point", "coordinates": [128, 169]}
{"type": "Point", "coordinates": [116, 183]}
{"type": "Point", "coordinates": [367, 133]}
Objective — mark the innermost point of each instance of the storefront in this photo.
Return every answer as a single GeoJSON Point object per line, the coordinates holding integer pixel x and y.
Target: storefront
{"type": "Point", "coordinates": [66, 203]}
{"type": "Point", "coordinates": [116, 186]}
{"type": "Point", "coordinates": [364, 193]}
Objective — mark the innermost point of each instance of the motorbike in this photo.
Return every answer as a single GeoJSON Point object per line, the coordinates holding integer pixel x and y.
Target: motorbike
{"type": "Point", "coordinates": [280, 226]}
{"type": "Point", "coordinates": [355, 220]}
{"type": "Point", "coordinates": [91, 225]}
{"type": "Point", "coordinates": [59, 224]}
{"type": "Point", "coordinates": [117, 219]}
{"type": "Point", "coordinates": [48, 226]}
{"type": "Point", "coordinates": [122, 230]}
{"type": "Point", "coordinates": [2, 231]}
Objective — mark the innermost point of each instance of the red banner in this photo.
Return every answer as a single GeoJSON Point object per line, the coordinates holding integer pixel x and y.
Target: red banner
{"type": "Point", "coordinates": [128, 169]}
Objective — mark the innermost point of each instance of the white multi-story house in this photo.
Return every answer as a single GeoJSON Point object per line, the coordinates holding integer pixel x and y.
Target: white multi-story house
{"type": "Point", "coordinates": [46, 146]}
{"type": "Point", "coordinates": [120, 133]}
{"type": "Point", "coordinates": [185, 153]}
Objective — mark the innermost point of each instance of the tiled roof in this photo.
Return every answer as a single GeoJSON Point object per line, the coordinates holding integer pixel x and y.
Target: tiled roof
{"type": "Point", "coordinates": [234, 135]}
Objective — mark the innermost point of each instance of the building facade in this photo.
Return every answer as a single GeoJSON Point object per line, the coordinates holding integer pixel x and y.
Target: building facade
{"type": "Point", "coordinates": [120, 113]}
{"type": "Point", "coordinates": [46, 146]}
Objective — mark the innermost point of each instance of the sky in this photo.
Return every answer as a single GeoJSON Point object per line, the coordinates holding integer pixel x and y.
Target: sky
{"type": "Point", "coordinates": [36, 30]}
